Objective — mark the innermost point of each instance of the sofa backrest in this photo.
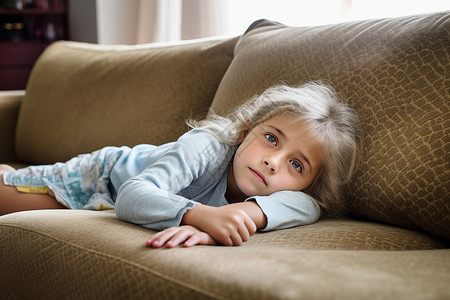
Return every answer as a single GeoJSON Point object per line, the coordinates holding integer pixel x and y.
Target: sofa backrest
{"type": "Point", "coordinates": [81, 97]}
{"type": "Point", "coordinates": [395, 73]}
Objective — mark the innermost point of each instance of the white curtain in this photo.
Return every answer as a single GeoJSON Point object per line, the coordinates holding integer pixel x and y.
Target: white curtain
{"type": "Point", "coordinates": [146, 21]}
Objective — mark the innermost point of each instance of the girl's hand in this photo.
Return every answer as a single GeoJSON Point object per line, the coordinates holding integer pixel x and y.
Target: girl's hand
{"type": "Point", "coordinates": [185, 234]}
{"type": "Point", "coordinates": [228, 225]}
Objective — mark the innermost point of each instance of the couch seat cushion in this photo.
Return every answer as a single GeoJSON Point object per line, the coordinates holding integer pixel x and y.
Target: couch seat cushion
{"type": "Point", "coordinates": [93, 255]}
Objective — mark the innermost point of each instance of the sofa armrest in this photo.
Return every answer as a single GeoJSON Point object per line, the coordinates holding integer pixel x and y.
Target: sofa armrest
{"type": "Point", "coordinates": [10, 102]}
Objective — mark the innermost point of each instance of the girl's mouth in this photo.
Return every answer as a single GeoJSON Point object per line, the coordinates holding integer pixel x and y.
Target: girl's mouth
{"type": "Point", "coordinates": [259, 176]}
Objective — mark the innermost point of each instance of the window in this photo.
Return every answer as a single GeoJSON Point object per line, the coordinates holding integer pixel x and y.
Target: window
{"type": "Point", "coordinates": [241, 13]}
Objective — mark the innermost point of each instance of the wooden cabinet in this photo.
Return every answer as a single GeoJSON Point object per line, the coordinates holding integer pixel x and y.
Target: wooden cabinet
{"type": "Point", "coordinates": [27, 27]}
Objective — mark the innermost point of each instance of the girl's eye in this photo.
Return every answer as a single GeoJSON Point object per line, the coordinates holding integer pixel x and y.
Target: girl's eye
{"type": "Point", "coordinates": [297, 166]}
{"type": "Point", "coordinates": [271, 138]}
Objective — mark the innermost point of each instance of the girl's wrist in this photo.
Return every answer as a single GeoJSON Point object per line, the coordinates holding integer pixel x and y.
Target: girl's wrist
{"type": "Point", "coordinates": [252, 209]}
{"type": "Point", "coordinates": [193, 216]}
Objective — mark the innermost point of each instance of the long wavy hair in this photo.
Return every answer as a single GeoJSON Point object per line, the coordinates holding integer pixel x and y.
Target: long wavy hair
{"type": "Point", "coordinates": [334, 124]}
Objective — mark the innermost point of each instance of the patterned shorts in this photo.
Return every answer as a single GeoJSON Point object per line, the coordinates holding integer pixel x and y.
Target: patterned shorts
{"type": "Point", "coordinates": [80, 183]}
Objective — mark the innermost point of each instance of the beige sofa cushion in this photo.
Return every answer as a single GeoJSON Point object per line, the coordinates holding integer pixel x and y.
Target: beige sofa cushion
{"type": "Point", "coordinates": [395, 73]}
{"type": "Point", "coordinates": [9, 110]}
{"type": "Point", "coordinates": [82, 97]}
{"type": "Point", "coordinates": [92, 255]}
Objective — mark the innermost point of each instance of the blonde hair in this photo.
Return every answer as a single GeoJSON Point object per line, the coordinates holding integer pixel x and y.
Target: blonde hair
{"type": "Point", "coordinates": [333, 123]}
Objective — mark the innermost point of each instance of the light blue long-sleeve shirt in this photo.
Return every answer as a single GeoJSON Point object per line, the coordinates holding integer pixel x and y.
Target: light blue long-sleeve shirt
{"type": "Point", "coordinates": [156, 185]}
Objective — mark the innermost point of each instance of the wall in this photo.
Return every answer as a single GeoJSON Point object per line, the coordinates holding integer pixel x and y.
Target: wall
{"type": "Point", "coordinates": [83, 21]}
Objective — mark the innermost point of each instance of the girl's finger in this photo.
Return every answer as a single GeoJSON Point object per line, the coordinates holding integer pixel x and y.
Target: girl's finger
{"type": "Point", "coordinates": [236, 238]}
{"type": "Point", "coordinates": [160, 238]}
{"type": "Point", "coordinates": [195, 239]}
{"type": "Point", "coordinates": [199, 238]}
{"type": "Point", "coordinates": [251, 226]}
{"type": "Point", "coordinates": [180, 237]}
{"type": "Point", "coordinates": [244, 233]}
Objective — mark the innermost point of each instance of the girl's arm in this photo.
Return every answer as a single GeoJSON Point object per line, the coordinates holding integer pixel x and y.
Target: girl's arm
{"type": "Point", "coordinates": [234, 223]}
{"type": "Point", "coordinates": [285, 209]}
{"type": "Point", "coordinates": [229, 225]}
{"type": "Point", "coordinates": [153, 199]}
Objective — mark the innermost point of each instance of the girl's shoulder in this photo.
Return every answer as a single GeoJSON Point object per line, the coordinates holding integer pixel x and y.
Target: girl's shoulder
{"type": "Point", "coordinates": [202, 135]}
{"type": "Point", "coordinates": [204, 140]}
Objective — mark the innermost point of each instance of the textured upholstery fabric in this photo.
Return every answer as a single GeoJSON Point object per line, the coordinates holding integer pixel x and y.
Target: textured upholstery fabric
{"type": "Point", "coordinates": [81, 95]}
{"type": "Point", "coordinates": [96, 251]}
{"type": "Point", "coordinates": [395, 74]}
{"type": "Point", "coordinates": [9, 110]}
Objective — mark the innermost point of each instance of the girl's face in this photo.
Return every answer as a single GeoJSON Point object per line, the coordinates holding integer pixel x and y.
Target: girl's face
{"type": "Point", "coordinates": [279, 154]}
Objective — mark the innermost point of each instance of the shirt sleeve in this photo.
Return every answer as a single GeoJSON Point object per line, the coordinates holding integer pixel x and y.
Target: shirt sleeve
{"type": "Point", "coordinates": [285, 209]}
{"type": "Point", "coordinates": [150, 199]}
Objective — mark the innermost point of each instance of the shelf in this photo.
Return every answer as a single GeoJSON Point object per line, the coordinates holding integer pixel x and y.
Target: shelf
{"type": "Point", "coordinates": [20, 53]}
{"type": "Point", "coordinates": [23, 43]}
{"type": "Point", "coordinates": [16, 61]}
{"type": "Point", "coordinates": [24, 35]}
{"type": "Point", "coordinates": [33, 11]}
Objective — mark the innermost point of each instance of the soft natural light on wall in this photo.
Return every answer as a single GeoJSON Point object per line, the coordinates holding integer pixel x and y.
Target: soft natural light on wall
{"type": "Point", "coordinates": [240, 13]}
{"type": "Point", "coordinates": [145, 21]}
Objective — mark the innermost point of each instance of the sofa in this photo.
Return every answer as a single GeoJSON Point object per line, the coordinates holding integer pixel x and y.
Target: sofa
{"type": "Point", "coordinates": [391, 242]}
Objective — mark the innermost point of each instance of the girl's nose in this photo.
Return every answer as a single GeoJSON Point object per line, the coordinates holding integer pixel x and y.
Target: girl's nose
{"type": "Point", "coordinates": [271, 164]}
{"type": "Point", "coordinates": [274, 160]}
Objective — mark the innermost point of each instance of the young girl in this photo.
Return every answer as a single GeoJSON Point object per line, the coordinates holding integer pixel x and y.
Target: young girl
{"type": "Point", "coordinates": [258, 168]}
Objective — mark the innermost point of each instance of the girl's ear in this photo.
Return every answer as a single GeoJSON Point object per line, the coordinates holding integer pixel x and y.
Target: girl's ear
{"type": "Point", "coordinates": [244, 134]}
{"type": "Point", "coordinates": [245, 131]}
